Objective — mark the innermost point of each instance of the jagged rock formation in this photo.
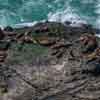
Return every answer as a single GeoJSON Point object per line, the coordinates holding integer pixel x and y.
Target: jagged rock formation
{"type": "Point", "coordinates": [62, 74]}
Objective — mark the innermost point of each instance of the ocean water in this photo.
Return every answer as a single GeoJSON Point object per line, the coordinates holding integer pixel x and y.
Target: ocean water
{"type": "Point", "coordinates": [28, 12]}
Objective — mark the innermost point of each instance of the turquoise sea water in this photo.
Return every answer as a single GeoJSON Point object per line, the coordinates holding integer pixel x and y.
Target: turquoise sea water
{"type": "Point", "coordinates": [25, 11]}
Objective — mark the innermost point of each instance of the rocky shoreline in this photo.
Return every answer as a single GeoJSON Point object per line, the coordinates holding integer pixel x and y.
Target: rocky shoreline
{"type": "Point", "coordinates": [47, 76]}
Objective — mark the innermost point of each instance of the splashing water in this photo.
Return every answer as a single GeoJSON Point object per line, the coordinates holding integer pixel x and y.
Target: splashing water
{"type": "Point", "coordinates": [27, 11]}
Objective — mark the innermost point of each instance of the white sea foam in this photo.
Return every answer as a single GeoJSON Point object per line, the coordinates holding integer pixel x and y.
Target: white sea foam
{"type": "Point", "coordinates": [98, 35]}
{"type": "Point", "coordinates": [27, 24]}
{"type": "Point", "coordinates": [67, 15]}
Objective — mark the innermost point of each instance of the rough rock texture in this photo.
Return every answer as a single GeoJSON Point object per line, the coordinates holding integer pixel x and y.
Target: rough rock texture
{"type": "Point", "coordinates": [45, 77]}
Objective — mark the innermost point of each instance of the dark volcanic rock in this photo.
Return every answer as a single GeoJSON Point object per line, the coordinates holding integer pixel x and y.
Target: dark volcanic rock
{"type": "Point", "coordinates": [8, 28]}
{"type": "Point", "coordinates": [66, 77]}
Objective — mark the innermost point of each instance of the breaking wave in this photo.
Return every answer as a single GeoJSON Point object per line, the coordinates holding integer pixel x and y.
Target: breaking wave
{"type": "Point", "coordinates": [26, 12]}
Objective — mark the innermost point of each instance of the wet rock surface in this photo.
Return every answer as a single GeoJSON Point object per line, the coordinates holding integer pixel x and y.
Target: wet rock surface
{"type": "Point", "coordinates": [48, 77]}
